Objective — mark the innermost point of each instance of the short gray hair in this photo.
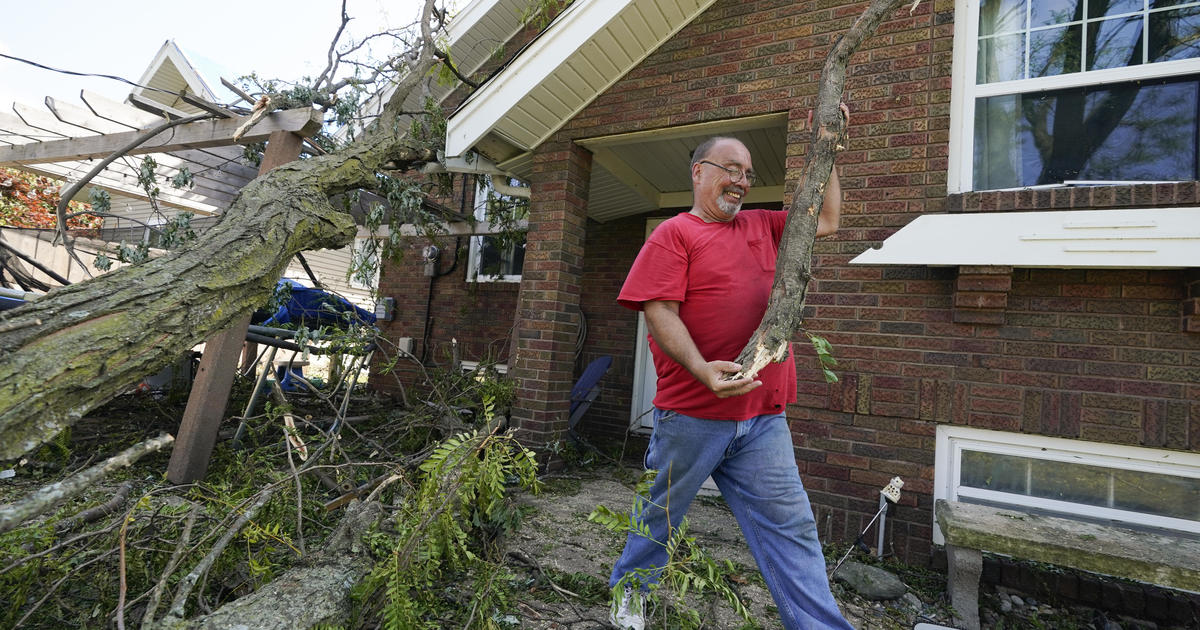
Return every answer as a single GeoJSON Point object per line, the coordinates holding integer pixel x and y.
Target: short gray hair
{"type": "Point", "coordinates": [705, 148]}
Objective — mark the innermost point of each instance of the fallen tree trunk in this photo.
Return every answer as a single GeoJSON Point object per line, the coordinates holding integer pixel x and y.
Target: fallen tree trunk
{"type": "Point", "coordinates": [78, 346]}
{"type": "Point", "coordinates": [783, 318]}
{"type": "Point", "coordinates": [317, 591]}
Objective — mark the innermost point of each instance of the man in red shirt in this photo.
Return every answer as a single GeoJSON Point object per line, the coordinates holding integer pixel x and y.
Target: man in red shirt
{"type": "Point", "coordinates": [703, 279]}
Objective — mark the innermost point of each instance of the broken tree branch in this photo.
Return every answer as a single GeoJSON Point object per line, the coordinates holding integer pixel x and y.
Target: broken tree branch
{"type": "Point", "coordinates": [176, 556]}
{"type": "Point", "coordinates": [98, 512]}
{"type": "Point", "coordinates": [314, 592]}
{"type": "Point", "coordinates": [55, 494]}
{"type": "Point", "coordinates": [188, 582]}
{"type": "Point", "coordinates": [771, 341]}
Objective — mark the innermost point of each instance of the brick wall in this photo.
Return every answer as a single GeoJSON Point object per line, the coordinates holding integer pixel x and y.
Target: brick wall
{"type": "Point", "coordinates": [435, 311]}
{"type": "Point", "coordinates": [548, 322]}
{"type": "Point", "coordinates": [611, 328]}
{"type": "Point", "coordinates": [1098, 355]}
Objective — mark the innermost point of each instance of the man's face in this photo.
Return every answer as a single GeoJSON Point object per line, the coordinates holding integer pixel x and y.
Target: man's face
{"type": "Point", "coordinates": [716, 196]}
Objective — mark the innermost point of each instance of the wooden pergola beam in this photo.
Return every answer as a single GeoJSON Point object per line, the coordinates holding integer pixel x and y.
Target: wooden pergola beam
{"type": "Point", "coordinates": [205, 133]}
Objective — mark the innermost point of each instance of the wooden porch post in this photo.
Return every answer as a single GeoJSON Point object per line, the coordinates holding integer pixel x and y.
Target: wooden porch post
{"type": "Point", "coordinates": [210, 391]}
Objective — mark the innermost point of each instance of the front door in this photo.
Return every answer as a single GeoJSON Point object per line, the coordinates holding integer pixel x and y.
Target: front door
{"type": "Point", "coordinates": [641, 417]}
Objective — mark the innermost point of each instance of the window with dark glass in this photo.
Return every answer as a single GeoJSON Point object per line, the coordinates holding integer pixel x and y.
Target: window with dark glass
{"type": "Point", "coordinates": [1128, 124]}
{"type": "Point", "coordinates": [497, 257]}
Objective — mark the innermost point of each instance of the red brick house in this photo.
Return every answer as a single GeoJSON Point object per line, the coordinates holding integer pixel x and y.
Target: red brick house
{"type": "Point", "coordinates": [1032, 336]}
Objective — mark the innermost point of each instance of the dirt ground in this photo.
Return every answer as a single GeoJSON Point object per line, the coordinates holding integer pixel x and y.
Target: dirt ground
{"type": "Point", "coordinates": [560, 549]}
{"type": "Point", "coordinates": [559, 539]}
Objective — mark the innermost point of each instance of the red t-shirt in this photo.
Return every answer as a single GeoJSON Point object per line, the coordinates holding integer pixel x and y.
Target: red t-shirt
{"type": "Point", "coordinates": [721, 274]}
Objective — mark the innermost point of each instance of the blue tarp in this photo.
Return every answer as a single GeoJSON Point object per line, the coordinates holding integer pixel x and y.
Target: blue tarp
{"type": "Point", "coordinates": [312, 307]}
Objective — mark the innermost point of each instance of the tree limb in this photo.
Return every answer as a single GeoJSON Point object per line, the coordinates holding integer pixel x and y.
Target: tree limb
{"type": "Point", "coordinates": [55, 494]}
{"type": "Point", "coordinates": [98, 512]}
{"type": "Point", "coordinates": [316, 591]}
{"type": "Point", "coordinates": [79, 346]}
{"type": "Point", "coordinates": [771, 341]}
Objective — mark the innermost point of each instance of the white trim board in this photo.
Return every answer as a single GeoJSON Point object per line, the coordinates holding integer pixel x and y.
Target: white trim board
{"type": "Point", "coordinates": [587, 48]}
{"type": "Point", "coordinates": [952, 440]}
{"type": "Point", "coordinates": [1158, 238]}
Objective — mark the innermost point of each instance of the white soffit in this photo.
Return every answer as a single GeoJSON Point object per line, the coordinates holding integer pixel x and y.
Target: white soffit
{"type": "Point", "coordinates": [591, 45]}
{"type": "Point", "coordinates": [1158, 238]}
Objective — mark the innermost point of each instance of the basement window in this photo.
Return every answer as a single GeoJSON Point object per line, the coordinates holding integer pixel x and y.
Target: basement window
{"type": "Point", "coordinates": [1106, 483]}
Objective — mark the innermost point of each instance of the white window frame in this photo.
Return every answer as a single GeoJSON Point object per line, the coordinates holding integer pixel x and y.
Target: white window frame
{"type": "Point", "coordinates": [953, 440]}
{"type": "Point", "coordinates": [480, 212]}
{"type": "Point", "coordinates": [352, 279]}
{"type": "Point", "coordinates": [964, 91]}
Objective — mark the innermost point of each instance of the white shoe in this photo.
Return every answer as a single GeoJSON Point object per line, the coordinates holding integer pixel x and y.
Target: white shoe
{"type": "Point", "coordinates": [627, 614]}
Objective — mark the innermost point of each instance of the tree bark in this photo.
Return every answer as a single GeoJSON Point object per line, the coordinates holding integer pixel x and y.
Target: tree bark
{"type": "Point", "coordinates": [78, 346]}
{"type": "Point", "coordinates": [785, 307]}
{"type": "Point", "coordinates": [55, 494]}
{"type": "Point", "coordinates": [317, 591]}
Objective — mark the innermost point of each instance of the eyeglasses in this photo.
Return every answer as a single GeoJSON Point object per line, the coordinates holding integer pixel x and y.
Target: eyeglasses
{"type": "Point", "coordinates": [735, 174]}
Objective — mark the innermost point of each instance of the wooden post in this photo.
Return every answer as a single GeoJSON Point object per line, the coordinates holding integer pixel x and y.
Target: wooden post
{"type": "Point", "coordinates": [210, 391]}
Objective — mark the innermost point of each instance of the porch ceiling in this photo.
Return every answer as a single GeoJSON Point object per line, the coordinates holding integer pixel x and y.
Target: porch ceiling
{"type": "Point", "coordinates": [645, 171]}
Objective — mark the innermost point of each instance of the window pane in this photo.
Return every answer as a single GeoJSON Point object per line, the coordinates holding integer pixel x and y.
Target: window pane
{"type": "Point", "coordinates": [991, 471]}
{"type": "Point", "coordinates": [1001, 16]}
{"type": "Point", "coordinates": [1001, 58]}
{"type": "Point", "coordinates": [1097, 9]}
{"type": "Point", "coordinates": [491, 262]}
{"type": "Point", "coordinates": [1130, 131]}
{"type": "Point", "coordinates": [1146, 492]}
{"type": "Point", "coordinates": [1140, 133]}
{"type": "Point", "coordinates": [1164, 495]}
{"type": "Point", "coordinates": [517, 266]}
{"type": "Point", "coordinates": [1047, 12]}
{"type": "Point", "coordinates": [1074, 483]}
{"type": "Point", "coordinates": [1115, 43]}
{"type": "Point", "coordinates": [1175, 34]}
{"type": "Point", "coordinates": [1162, 4]}
{"type": "Point", "coordinates": [1054, 51]}
{"type": "Point", "coordinates": [997, 143]}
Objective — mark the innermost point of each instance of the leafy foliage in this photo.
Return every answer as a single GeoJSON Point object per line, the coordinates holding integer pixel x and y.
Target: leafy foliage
{"type": "Point", "coordinates": [172, 233]}
{"type": "Point", "coordinates": [30, 201]}
{"type": "Point", "coordinates": [824, 355]}
{"type": "Point", "coordinates": [688, 568]}
{"type": "Point", "coordinates": [460, 490]}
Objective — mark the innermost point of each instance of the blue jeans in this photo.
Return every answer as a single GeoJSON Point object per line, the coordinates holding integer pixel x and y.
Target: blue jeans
{"type": "Point", "coordinates": [754, 465]}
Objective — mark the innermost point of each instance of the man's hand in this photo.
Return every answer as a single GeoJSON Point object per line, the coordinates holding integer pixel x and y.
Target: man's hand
{"type": "Point", "coordinates": [662, 317]}
{"type": "Point", "coordinates": [713, 373]}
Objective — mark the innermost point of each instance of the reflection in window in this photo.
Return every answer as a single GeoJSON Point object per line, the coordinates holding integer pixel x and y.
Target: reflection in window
{"type": "Point", "coordinates": [1153, 493]}
{"type": "Point", "coordinates": [1136, 131]}
{"type": "Point", "coordinates": [1115, 43]}
{"type": "Point", "coordinates": [1051, 31]}
{"type": "Point", "coordinates": [1174, 34]}
{"type": "Point", "coordinates": [1054, 51]}
{"type": "Point", "coordinates": [497, 257]}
